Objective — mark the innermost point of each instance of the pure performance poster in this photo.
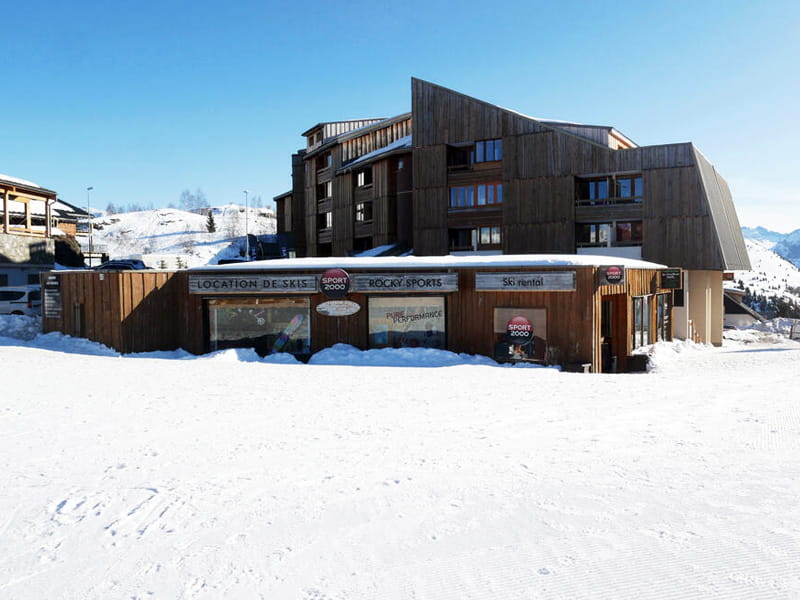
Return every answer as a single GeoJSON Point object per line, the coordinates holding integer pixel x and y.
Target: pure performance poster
{"type": "Point", "coordinates": [407, 322]}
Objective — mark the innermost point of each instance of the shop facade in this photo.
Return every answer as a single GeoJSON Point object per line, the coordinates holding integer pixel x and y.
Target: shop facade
{"type": "Point", "coordinates": [578, 312]}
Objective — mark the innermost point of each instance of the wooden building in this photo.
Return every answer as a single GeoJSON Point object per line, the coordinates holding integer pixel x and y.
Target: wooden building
{"type": "Point", "coordinates": [577, 312]}
{"type": "Point", "coordinates": [488, 180]}
{"type": "Point", "coordinates": [26, 247]}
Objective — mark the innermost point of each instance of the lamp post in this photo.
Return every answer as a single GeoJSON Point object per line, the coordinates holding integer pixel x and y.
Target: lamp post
{"type": "Point", "coordinates": [89, 216]}
{"type": "Point", "coordinates": [246, 226]}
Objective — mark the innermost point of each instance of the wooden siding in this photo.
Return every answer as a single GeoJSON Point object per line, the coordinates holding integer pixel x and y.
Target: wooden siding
{"type": "Point", "coordinates": [298, 210]}
{"type": "Point", "coordinates": [687, 214]}
{"type": "Point", "coordinates": [138, 311]}
{"type": "Point", "coordinates": [609, 212]}
{"type": "Point", "coordinates": [343, 214]}
{"type": "Point", "coordinates": [130, 311]}
{"type": "Point", "coordinates": [442, 116]}
{"type": "Point", "coordinates": [570, 316]}
{"type": "Point", "coordinates": [327, 331]}
{"type": "Point", "coordinates": [336, 128]}
{"type": "Point", "coordinates": [374, 139]}
{"type": "Point", "coordinates": [475, 176]}
{"type": "Point", "coordinates": [384, 198]}
{"type": "Point", "coordinates": [688, 217]}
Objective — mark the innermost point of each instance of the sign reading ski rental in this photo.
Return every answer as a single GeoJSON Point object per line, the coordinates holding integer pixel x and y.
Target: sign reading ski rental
{"type": "Point", "coordinates": [547, 281]}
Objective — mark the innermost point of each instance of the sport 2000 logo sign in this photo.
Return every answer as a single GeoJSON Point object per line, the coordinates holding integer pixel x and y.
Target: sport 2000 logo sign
{"type": "Point", "coordinates": [334, 283]}
{"type": "Point", "coordinates": [520, 330]}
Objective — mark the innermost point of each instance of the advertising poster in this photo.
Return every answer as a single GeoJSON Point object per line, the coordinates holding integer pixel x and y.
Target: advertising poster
{"type": "Point", "coordinates": [520, 334]}
{"type": "Point", "coordinates": [407, 322]}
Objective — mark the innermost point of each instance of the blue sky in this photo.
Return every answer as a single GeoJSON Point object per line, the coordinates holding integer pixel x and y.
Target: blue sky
{"type": "Point", "coordinates": [144, 100]}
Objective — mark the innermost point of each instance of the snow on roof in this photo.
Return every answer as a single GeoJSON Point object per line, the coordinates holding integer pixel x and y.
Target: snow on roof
{"type": "Point", "coordinates": [435, 262]}
{"type": "Point", "coordinates": [403, 142]}
{"type": "Point", "coordinates": [17, 180]}
{"type": "Point", "coordinates": [377, 250]}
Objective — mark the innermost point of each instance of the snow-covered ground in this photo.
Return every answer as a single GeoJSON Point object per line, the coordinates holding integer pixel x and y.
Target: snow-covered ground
{"type": "Point", "coordinates": [225, 476]}
{"type": "Point", "coordinates": [155, 235]}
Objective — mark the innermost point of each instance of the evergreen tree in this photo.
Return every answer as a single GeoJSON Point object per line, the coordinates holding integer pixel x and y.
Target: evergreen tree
{"type": "Point", "coordinates": [211, 225]}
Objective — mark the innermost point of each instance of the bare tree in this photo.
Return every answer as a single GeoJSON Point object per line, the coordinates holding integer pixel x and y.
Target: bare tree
{"type": "Point", "coordinates": [193, 201]}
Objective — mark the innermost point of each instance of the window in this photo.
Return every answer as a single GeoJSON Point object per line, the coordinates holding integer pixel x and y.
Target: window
{"type": "Point", "coordinates": [364, 211]}
{"type": "Point", "coordinates": [488, 151]}
{"type": "Point", "coordinates": [470, 196]}
{"type": "Point", "coordinates": [641, 321]}
{"type": "Point", "coordinates": [604, 235]}
{"type": "Point", "coordinates": [461, 197]}
{"type": "Point", "coordinates": [364, 178]}
{"type": "Point", "coordinates": [612, 189]}
{"type": "Point", "coordinates": [480, 152]}
{"type": "Point", "coordinates": [325, 220]}
{"type": "Point", "coordinates": [593, 190]}
{"type": "Point", "coordinates": [520, 334]}
{"type": "Point", "coordinates": [267, 324]}
{"type": "Point", "coordinates": [628, 233]}
{"type": "Point", "coordinates": [324, 160]}
{"type": "Point", "coordinates": [407, 322]}
{"type": "Point", "coordinates": [466, 239]}
{"type": "Point", "coordinates": [489, 236]}
{"type": "Point", "coordinates": [593, 234]}
{"type": "Point", "coordinates": [11, 295]}
{"type": "Point", "coordinates": [324, 190]}
{"type": "Point", "coordinates": [461, 239]}
{"type": "Point", "coordinates": [3, 280]}
{"type": "Point", "coordinates": [314, 139]}
{"type": "Point", "coordinates": [629, 188]}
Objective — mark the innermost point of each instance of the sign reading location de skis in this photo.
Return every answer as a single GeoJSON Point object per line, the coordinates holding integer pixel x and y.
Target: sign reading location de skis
{"type": "Point", "coordinates": [334, 283]}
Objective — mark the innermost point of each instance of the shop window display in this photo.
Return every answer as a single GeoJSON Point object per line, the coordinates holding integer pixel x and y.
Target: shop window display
{"type": "Point", "coordinates": [268, 325]}
{"type": "Point", "coordinates": [407, 322]}
{"type": "Point", "coordinates": [520, 334]}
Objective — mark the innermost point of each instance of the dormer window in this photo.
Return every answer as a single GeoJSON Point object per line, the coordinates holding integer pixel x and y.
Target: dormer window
{"type": "Point", "coordinates": [314, 139]}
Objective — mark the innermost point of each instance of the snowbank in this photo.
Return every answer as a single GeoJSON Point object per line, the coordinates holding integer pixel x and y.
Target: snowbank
{"type": "Point", "coordinates": [18, 327]}
{"type": "Point", "coordinates": [21, 330]}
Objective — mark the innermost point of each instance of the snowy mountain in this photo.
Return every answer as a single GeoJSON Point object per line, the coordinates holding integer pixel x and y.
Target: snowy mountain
{"type": "Point", "coordinates": [786, 245]}
{"type": "Point", "coordinates": [789, 247]}
{"type": "Point", "coordinates": [165, 236]}
{"type": "Point", "coordinates": [771, 274]}
{"type": "Point", "coordinates": [761, 234]}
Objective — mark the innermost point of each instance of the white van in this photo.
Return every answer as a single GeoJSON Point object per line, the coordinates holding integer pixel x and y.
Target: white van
{"type": "Point", "coordinates": [21, 300]}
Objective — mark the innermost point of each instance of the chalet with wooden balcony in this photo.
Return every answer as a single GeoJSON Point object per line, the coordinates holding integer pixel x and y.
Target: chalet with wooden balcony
{"type": "Point", "coordinates": [26, 215]}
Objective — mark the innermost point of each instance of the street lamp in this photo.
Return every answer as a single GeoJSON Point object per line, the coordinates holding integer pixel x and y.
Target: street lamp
{"type": "Point", "coordinates": [89, 216]}
{"type": "Point", "coordinates": [246, 226]}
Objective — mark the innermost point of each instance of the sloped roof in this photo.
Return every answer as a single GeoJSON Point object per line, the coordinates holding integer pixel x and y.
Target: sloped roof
{"type": "Point", "coordinates": [498, 261]}
{"type": "Point", "coordinates": [9, 181]}
{"type": "Point", "coordinates": [723, 213]}
{"type": "Point", "coordinates": [401, 144]}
